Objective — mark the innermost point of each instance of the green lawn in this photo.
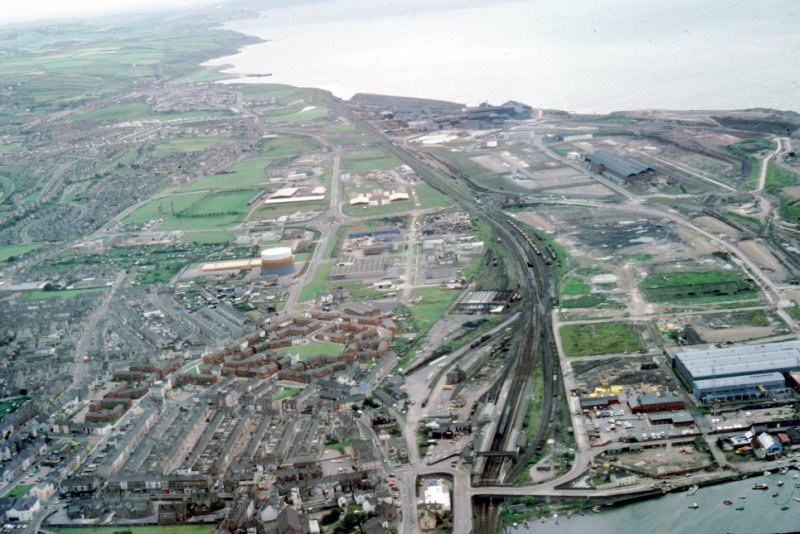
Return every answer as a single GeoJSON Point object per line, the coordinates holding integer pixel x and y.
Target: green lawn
{"type": "Point", "coordinates": [62, 293]}
{"type": "Point", "coordinates": [222, 203]}
{"type": "Point", "coordinates": [575, 287]}
{"type": "Point", "coordinates": [705, 285]}
{"type": "Point", "coordinates": [18, 491]}
{"type": "Point", "coordinates": [598, 338]}
{"type": "Point", "coordinates": [435, 302]}
{"type": "Point", "coordinates": [287, 393]}
{"type": "Point", "coordinates": [14, 251]}
{"type": "Point", "coordinates": [247, 173]}
{"type": "Point", "coordinates": [209, 211]}
{"type": "Point", "coordinates": [188, 144]}
{"type": "Point", "coordinates": [778, 178]}
{"type": "Point", "coordinates": [430, 198]}
{"type": "Point", "coordinates": [371, 159]}
{"type": "Point", "coordinates": [296, 114]}
{"type": "Point", "coordinates": [211, 237]}
{"type": "Point", "coordinates": [316, 348]}
{"type": "Point", "coordinates": [287, 145]}
{"type": "Point", "coordinates": [155, 529]}
{"type": "Point", "coordinates": [139, 111]}
{"type": "Point", "coordinates": [318, 283]}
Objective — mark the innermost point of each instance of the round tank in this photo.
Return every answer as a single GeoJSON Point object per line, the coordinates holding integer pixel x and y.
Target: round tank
{"type": "Point", "coordinates": [277, 261]}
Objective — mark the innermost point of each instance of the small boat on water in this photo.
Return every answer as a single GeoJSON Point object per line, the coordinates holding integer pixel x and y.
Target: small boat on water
{"type": "Point", "coordinates": [581, 512]}
{"type": "Point", "coordinates": [740, 507]}
{"type": "Point", "coordinates": [775, 495]}
{"type": "Point", "coordinates": [525, 524]}
{"type": "Point", "coordinates": [767, 473]}
{"type": "Point", "coordinates": [797, 499]}
{"type": "Point", "coordinates": [693, 489]}
{"type": "Point", "coordinates": [762, 487]}
{"type": "Point", "coordinates": [784, 507]}
{"type": "Point", "coordinates": [727, 502]}
{"type": "Point", "coordinates": [542, 519]}
{"type": "Point", "coordinates": [784, 470]}
{"type": "Point", "coordinates": [694, 506]}
{"type": "Point", "coordinates": [742, 496]}
{"type": "Point", "coordinates": [780, 483]}
{"type": "Point", "coordinates": [515, 525]}
{"type": "Point", "coordinates": [596, 508]}
{"type": "Point", "coordinates": [795, 476]}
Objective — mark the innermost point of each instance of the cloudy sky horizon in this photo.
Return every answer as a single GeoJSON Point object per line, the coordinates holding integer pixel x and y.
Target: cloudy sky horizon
{"type": "Point", "coordinates": [24, 11]}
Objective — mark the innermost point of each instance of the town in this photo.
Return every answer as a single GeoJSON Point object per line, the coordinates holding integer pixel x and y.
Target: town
{"type": "Point", "coordinates": [260, 308]}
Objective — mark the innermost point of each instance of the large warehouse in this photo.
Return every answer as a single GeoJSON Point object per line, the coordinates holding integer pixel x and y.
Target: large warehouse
{"type": "Point", "coordinates": [738, 372]}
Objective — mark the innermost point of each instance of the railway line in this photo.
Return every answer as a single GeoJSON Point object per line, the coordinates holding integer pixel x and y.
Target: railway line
{"type": "Point", "coordinates": [535, 344]}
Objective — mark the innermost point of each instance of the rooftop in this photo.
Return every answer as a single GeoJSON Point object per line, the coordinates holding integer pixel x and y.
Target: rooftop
{"type": "Point", "coordinates": [744, 360]}
{"type": "Point", "coordinates": [619, 164]}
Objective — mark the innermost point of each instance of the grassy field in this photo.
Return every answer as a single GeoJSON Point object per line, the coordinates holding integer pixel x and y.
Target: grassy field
{"type": "Point", "coordinates": [287, 145]}
{"type": "Point", "coordinates": [287, 393]}
{"type": "Point", "coordinates": [430, 198]}
{"type": "Point", "coordinates": [212, 210]}
{"type": "Point", "coordinates": [575, 287]}
{"type": "Point", "coordinates": [8, 406]}
{"type": "Point", "coordinates": [318, 283]}
{"type": "Point", "coordinates": [18, 491]}
{"type": "Point", "coordinates": [212, 237]}
{"type": "Point", "coordinates": [247, 173]}
{"type": "Point", "coordinates": [14, 251]}
{"type": "Point", "coordinates": [777, 178]}
{"type": "Point", "coordinates": [706, 285]}
{"type": "Point", "coordinates": [598, 338]}
{"type": "Point", "coordinates": [745, 150]}
{"type": "Point", "coordinates": [155, 529]}
{"type": "Point", "coordinates": [789, 209]}
{"type": "Point", "coordinates": [62, 293]}
{"type": "Point", "coordinates": [139, 111]}
{"type": "Point", "coordinates": [435, 302]}
{"type": "Point", "coordinates": [317, 348]}
{"type": "Point", "coordinates": [296, 114]}
{"type": "Point", "coordinates": [188, 144]}
{"type": "Point", "coordinates": [371, 159]}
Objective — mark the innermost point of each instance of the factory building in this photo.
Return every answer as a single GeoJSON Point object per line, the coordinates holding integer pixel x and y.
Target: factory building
{"type": "Point", "coordinates": [654, 403]}
{"type": "Point", "coordinates": [621, 167]}
{"type": "Point", "coordinates": [737, 372]}
{"type": "Point", "coordinates": [277, 261]}
{"type": "Point", "coordinates": [738, 387]}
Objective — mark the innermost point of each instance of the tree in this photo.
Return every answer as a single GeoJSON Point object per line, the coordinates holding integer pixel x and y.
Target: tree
{"type": "Point", "coordinates": [331, 517]}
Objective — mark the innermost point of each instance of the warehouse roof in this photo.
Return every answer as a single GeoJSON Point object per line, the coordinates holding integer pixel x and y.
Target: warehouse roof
{"type": "Point", "coordinates": [646, 400]}
{"type": "Point", "coordinates": [748, 359]}
{"type": "Point", "coordinates": [619, 164]}
{"type": "Point", "coordinates": [742, 380]}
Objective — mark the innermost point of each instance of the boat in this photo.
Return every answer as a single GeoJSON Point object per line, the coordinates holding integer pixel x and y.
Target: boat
{"type": "Point", "coordinates": [525, 524]}
{"type": "Point", "coordinates": [694, 506]}
{"type": "Point", "coordinates": [776, 495]}
{"type": "Point", "coordinates": [515, 525]}
{"type": "Point", "coordinates": [784, 507]}
{"type": "Point", "coordinates": [727, 502]}
{"type": "Point", "coordinates": [762, 487]}
{"type": "Point", "coordinates": [780, 483]}
{"type": "Point", "coordinates": [784, 470]}
{"type": "Point", "coordinates": [742, 496]}
{"type": "Point", "coordinates": [797, 499]}
{"type": "Point", "coordinates": [767, 473]}
{"type": "Point", "coordinates": [542, 519]}
{"type": "Point", "coordinates": [740, 507]}
{"type": "Point", "coordinates": [693, 490]}
{"type": "Point", "coordinates": [795, 476]}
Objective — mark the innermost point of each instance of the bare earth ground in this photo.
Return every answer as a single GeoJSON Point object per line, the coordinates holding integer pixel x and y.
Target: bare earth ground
{"type": "Point", "coordinates": [699, 244]}
{"type": "Point", "coordinates": [762, 256]}
{"type": "Point", "coordinates": [793, 192]}
{"type": "Point", "coordinates": [490, 162]}
{"type": "Point", "coordinates": [737, 333]}
{"type": "Point", "coordinates": [539, 221]}
{"type": "Point", "coordinates": [592, 190]}
{"type": "Point", "coordinates": [715, 225]}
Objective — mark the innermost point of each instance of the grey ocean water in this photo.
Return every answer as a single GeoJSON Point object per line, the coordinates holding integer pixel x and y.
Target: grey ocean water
{"type": "Point", "coordinates": [578, 55]}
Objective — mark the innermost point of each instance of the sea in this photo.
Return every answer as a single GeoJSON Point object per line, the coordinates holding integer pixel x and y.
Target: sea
{"type": "Point", "coordinates": [670, 514]}
{"type": "Point", "coordinates": [587, 56]}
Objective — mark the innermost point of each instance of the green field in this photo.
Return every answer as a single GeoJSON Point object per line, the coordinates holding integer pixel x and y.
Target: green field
{"type": "Point", "coordinates": [287, 393]}
{"type": "Point", "coordinates": [778, 178]}
{"type": "Point", "coordinates": [194, 211]}
{"type": "Point", "coordinates": [283, 94]}
{"type": "Point", "coordinates": [62, 293]}
{"type": "Point", "coordinates": [316, 348]}
{"type": "Point", "coordinates": [155, 529]}
{"type": "Point", "coordinates": [15, 251]}
{"type": "Point", "coordinates": [789, 209]}
{"type": "Point", "coordinates": [372, 159]}
{"type": "Point", "coordinates": [575, 287]}
{"type": "Point", "coordinates": [287, 145]}
{"type": "Point", "coordinates": [706, 286]}
{"type": "Point", "coordinates": [188, 144]}
{"type": "Point", "coordinates": [430, 198]}
{"type": "Point", "coordinates": [140, 111]}
{"type": "Point", "coordinates": [318, 283]}
{"type": "Point", "coordinates": [432, 306]}
{"type": "Point", "coordinates": [18, 491]}
{"type": "Point", "coordinates": [211, 237]}
{"type": "Point", "coordinates": [598, 338]}
{"type": "Point", "coordinates": [9, 406]}
{"type": "Point", "coordinates": [247, 173]}
{"type": "Point", "coordinates": [296, 114]}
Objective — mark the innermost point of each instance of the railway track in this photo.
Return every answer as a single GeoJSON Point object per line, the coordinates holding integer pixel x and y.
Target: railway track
{"type": "Point", "coordinates": [535, 343]}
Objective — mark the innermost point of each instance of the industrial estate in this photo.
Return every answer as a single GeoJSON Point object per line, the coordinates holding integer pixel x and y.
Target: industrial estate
{"type": "Point", "coordinates": [231, 307]}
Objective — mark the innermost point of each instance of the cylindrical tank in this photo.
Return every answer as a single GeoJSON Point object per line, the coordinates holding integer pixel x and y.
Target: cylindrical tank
{"type": "Point", "coordinates": [277, 261]}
